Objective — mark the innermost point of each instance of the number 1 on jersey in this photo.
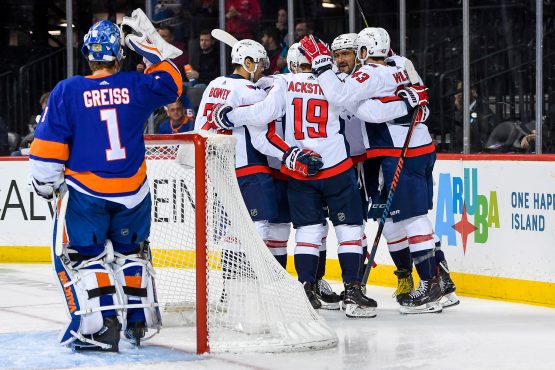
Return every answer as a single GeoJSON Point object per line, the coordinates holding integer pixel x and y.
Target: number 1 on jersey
{"type": "Point", "coordinates": [116, 151]}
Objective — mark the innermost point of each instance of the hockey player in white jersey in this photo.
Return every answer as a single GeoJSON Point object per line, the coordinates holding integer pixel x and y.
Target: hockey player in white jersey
{"type": "Point", "coordinates": [408, 228]}
{"type": "Point", "coordinates": [313, 124]}
{"type": "Point", "coordinates": [344, 56]}
{"type": "Point", "coordinates": [253, 172]}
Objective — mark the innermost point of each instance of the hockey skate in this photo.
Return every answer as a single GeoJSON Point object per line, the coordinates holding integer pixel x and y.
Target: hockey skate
{"type": "Point", "coordinates": [449, 298]}
{"type": "Point", "coordinates": [405, 284]}
{"type": "Point", "coordinates": [425, 299]}
{"type": "Point", "coordinates": [356, 304]}
{"type": "Point", "coordinates": [135, 331]}
{"type": "Point", "coordinates": [310, 290]}
{"type": "Point", "coordinates": [328, 298]}
{"type": "Point", "coordinates": [106, 340]}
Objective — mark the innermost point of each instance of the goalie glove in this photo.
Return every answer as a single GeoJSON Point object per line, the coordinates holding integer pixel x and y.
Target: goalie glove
{"type": "Point", "coordinates": [317, 53]}
{"type": "Point", "coordinates": [47, 190]}
{"type": "Point", "coordinates": [416, 95]}
{"type": "Point", "coordinates": [145, 40]}
{"type": "Point", "coordinates": [303, 161]}
{"type": "Point", "coordinates": [218, 117]}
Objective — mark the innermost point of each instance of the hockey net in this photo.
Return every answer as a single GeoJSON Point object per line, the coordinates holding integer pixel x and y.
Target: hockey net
{"type": "Point", "coordinates": [212, 269]}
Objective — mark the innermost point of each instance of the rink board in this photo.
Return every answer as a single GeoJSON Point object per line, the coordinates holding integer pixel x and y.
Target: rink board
{"type": "Point", "coordinates": [495, 216]}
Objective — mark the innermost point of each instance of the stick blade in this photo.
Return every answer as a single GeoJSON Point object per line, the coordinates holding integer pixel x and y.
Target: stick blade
{"type": "Point", "coordinates": [413, 75]}
{"type": "Point", "coordinates": [224, 37]}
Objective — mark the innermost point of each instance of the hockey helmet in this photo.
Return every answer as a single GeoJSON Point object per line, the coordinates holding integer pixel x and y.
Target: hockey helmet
{"type": "Point", "coordinates": [249, 48]}
{"type": "Point", "coordinates": [103, 43]}
{"type": "Point", "coordinates": [294, 57]}
{"type": "Point", "coordinates": [345, 41]}
{"type": "Point", "coordinates": [375, 40]}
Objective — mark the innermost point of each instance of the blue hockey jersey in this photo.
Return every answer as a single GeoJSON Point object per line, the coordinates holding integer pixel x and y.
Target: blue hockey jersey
{"type": "Point", "coordinates": [92, 130]}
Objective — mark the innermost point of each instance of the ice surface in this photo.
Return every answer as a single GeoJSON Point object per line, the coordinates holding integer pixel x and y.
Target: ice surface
{"type": "Point", "coordinates": [477, 334]}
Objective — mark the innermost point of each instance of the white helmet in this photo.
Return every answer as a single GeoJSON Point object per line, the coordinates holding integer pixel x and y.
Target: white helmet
{"type": "Point", "coordinates": [345, 41]}
{"type": "Point", "coordinates": [252, 49]}
{"type": "Point", "coordinates": [375, 40]}
{"type": "Point", "coordinates": [295, 57]}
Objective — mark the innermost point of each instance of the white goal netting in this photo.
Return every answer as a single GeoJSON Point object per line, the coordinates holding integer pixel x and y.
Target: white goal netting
{"type": "Point", "coordinates": [251, 302]}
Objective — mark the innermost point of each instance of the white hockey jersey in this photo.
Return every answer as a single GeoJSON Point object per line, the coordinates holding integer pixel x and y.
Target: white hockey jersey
{"type": "Point", "coordinates": [311, 122]}
{"type": "Point", "coordinates": [357, 93]}
{"type": "Point", "coordinates": [355, 133]}
{"type": "Point", "coordinates": [252, 142]}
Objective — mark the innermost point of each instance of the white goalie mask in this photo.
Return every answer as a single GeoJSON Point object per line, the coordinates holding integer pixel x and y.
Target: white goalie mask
{"type": "Point", "coordinates": [375, 40]}
{"type": "Point", "coordinates": [249, 49]}
{"type": "Point", "coordinates": [345, 41]}
{"type": "Point", "coordinates": [295, 58]}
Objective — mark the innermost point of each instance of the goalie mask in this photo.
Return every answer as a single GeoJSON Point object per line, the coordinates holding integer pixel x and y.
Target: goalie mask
{"type": "Point", "coordinates": [249, 49]}
{"type": "Point", "coordinates": [295, 58]}
{"type": "Point", "coordinates": [374, 40]}
{"type": "Point", "coordinates": [103, 43]}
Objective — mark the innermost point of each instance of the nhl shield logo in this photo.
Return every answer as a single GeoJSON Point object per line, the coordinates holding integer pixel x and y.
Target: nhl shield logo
{"type": "Point", "coordinates": [341, 216]}
{"type": "Point", "coordinates": [253, 212]}
{"type": "Point", "coordinates": [124, 232]}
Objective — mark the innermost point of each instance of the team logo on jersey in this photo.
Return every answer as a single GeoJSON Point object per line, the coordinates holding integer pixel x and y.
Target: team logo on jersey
{"type": "Point", "coordinates": [253, 212]}
{"type": "Point", "coordinates": [341, 216]}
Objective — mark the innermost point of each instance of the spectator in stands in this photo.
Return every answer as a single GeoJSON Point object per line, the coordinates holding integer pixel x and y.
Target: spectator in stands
{"type": "Point", "coordinates": [180, 119]}
{"type": "Point", "coordinates": [28, 139]}
{"type": "Point", "coordinates": [482, 121]}
{"type": "Point", "coordinates": [281, 24]}
{"type": "Point", "coordinates": [303, 29]}
{"type": "Point", "coordinates": [270, 41]}
{"type": "Point", "coordinates": [182, 60]}
{"type": "Point", "coordinates": [241, 17]}
{"type": "Point", "coordinates": [206, 64]}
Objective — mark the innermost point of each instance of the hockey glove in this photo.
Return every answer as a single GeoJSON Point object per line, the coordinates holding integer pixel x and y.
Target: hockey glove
{"type": "Point", "coordinates": [218, 117]}
{"type": "Point", "coordinates": [303, 161]}
{"type": "Point", "coordinates": [422, 114]}
{"type": "Point", "coordinates": [317, 53]}
{"type": "Point", "coordinates": [145, 40]}
{"type": "Point", "coordinates": [47, 190]}
{"type": "Point", "coordinates": [414, 95]}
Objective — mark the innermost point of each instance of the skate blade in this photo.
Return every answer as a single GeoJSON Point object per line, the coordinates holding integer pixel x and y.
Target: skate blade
{"type": "Point", "coordinates": [433, 307]}
{"type": "Point", "coordinates": [449, 300]}
{"type": "Point", "coordinates": [355, 311]}
{"type": "Point", "coordinates": [330, 306]}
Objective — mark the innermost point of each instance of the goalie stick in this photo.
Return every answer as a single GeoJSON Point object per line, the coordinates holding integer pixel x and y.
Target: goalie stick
{"type": "Point", "coordinates": [413, 77]}
{"type": "Point", "coordinates": [60, 207]}
{"type": "Point", "coordinates": [224, 37]}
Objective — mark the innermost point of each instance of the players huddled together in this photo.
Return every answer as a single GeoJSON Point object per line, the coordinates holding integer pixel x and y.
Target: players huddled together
{"type": "Point", "coordinates": [321, 142]}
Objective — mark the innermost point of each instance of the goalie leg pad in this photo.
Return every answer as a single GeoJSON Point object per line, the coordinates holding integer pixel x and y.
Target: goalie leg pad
{"type": "Point", "coordinates": [135, 279]}
{"type": "Point", "coordinates": [88, 284]}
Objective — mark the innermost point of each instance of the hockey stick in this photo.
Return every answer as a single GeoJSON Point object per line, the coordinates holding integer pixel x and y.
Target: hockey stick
{"type": "Point", "coordinates": [413, 77]}
{"type": "Point", "coordinates": [60, 204]}
{"type": "Point", "coordinates": [224, 37]}
{"type": "Point", "coordinates": [362, 13]}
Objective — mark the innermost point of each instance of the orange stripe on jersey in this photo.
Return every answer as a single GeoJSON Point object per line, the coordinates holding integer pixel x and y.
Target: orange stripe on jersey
{"type": "Point", "coordinates": [167, 67]}
{"type": "Point", "coordinates": [103, 279]}
{"type": "Point", "coordinates": [109, 185]}
{"type": "Point", "coordinates": [393, 152]}
{"type": "Point", "coordinates": [251, 170]}
{"type": "Point", "coordinates": [99, 75]}
{"type": "Point", "coordinates": [133, 281]}
{"type": "Point", "coordinates": [50, 149]}
{"type": "Point", "coordinates": [322, 174]}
